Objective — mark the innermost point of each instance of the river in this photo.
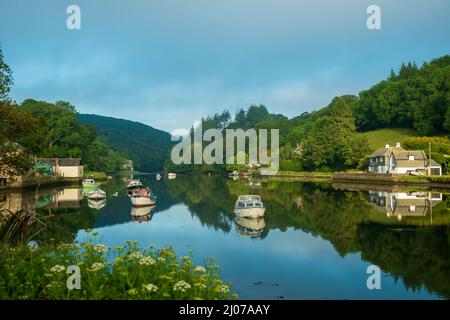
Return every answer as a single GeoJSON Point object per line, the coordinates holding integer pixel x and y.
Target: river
{"type": "Point", "coordinates": [316, 240]}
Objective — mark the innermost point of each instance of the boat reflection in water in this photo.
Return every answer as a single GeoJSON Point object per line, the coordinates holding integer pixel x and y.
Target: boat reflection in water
{"type": "Point", "coordinates": [248, 227]}
{"type": "Point", "coordinates": [404, 204]}
{"type": "Point", "coordinates": [96, 203]}
{"type": "Point", "coordinates": [141, 214]}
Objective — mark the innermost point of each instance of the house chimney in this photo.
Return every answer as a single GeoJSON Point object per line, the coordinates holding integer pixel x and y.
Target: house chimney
{"type": "Point", "coordinates": [387, 146]}
{"type": "Point", "coordinates": [397, 145]}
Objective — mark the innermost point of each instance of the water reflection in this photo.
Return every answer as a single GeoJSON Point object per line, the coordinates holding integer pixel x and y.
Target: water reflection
{"type": "Point", "coordinates": [141, 214]}
{"type": "Point", "coordinates": [405, 233]}
{"type": "Point", "coordinates": [404, 204]}
{"type": "Point", "coordinates": [67, 198]}
{"type": "Point", "coordinates": [96, 203]}
{"type": "Point", "coordinates": [252, 228]}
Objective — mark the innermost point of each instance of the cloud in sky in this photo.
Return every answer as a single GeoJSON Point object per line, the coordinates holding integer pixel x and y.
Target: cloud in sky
{"type": "Point", "coordinates": [168, 63]}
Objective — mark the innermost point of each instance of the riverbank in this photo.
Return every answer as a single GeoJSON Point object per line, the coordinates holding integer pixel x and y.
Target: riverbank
{"type": "Point", "coordinates": [297, 176]}
{"type": "Point", "coordinates": [392, 179]}
{"type": "Point", "coordinates": [33, 182]}
{"type": "Point", "coordinates": [41, 182]}
{"type": "Point", "coordinates": [96, 175]}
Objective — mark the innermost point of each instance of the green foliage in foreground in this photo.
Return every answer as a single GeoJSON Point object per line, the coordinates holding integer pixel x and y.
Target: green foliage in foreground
{"type": "Point", "coordinates": [124, 272]}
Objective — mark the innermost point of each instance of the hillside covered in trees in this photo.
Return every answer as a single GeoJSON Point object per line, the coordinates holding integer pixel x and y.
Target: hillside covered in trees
{"type": "Point", "coordinates": [415, 99]}
{"type": "Point", "coordinates": [56, 132]}
{"type": "Point", "coordinates": [335, 137]}
{"type": "Point", "coordinates": [146, 146]}
{"type": "Point", "coordinates": [44, 129]}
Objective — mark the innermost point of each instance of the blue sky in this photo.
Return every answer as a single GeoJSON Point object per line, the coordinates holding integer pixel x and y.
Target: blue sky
{"type": "Point", "coordinates": [166, 63]}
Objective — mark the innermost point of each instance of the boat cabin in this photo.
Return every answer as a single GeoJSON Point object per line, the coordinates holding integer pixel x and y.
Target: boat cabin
{"type": "Point", "coordinates": [249, 201]}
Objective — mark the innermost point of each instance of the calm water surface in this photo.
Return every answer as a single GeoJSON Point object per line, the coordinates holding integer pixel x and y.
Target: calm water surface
{"type": "Point", "coordinates": [315, 241]}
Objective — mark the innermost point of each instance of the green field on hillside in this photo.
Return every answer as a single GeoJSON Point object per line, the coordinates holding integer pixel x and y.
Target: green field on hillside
{"type": "Point", "coordinates": [379, 138]}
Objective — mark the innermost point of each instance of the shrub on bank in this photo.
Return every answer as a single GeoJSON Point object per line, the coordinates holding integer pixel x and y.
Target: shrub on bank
{"type": "Point", "coordinates": [96, 175]}
{"type": "Point", "coordinates": [124, 272]}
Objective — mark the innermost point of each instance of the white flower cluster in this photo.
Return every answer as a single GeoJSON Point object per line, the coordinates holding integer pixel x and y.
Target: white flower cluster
{"type": "Point", "coordinates": [224, 288]}
{"type": "Point", "coordinates": [58, 268]}
{"type": "Point", "coordinates": [96, 266]}
{"type": "Point", "coordinates": [150, 287]}
{"type": "Point", "coordinates": [181, 286]}
{"type": "Point", "coordinates": [135, 255]}
{"type": "Point", "coordinates": [100, 248]}
{"type": "Point", "coordinates": [146, 261]}
{"type": "Point", "coordinates": [199, 269]}
{"type": "Point", "coordinates": [200, 285]}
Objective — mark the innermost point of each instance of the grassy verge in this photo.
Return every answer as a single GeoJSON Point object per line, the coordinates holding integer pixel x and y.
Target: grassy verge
{"type": "Point", "coordinates": [298, 176]}
{"type": "Point", "coordinates": [379, 138]}
{"type": "Point", "coordinates": [125, 272]}
{"type": "Point", "coordinates": [426, 179]}
{"type": "Point", "coordinates": [96, 175]}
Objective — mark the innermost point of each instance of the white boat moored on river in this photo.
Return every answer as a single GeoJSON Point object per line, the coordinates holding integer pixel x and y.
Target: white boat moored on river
{"type": "Point", "coordinates": [249, 206]}
{"type": "Point", "coordinates": [96, 194]}
{"type": "Point", "coordinates": [142, 197]}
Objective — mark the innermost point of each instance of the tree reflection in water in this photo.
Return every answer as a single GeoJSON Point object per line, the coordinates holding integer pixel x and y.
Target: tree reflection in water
{"type": "Point", "coordinates": [414, 248]}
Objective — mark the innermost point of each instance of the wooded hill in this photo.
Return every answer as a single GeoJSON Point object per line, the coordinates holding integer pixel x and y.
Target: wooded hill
{"type": "Point", "coordinates": [146, 146]}
{"type": "Point", "coordinates": [413, 99]}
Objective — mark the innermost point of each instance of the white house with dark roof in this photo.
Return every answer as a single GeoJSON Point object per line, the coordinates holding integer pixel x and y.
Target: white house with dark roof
{"type": "Point", "coordinates": [400, 161]}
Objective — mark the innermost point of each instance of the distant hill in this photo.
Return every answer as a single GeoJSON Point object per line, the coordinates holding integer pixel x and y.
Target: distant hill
{"type": "Point", "coordinates": [145, 145]}
{"type": "Point", "coordinates": [379, 138]}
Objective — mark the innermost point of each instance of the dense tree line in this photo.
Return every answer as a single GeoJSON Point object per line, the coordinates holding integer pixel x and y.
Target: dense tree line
{"type": "Point", "coordinates": [60, 134]}
{"type": "Point", "coordinates": [13, 125]}
{"type": "Point", "coordinates": [414, 98]}
{"type": "Point", "coordinates": [417, 98]}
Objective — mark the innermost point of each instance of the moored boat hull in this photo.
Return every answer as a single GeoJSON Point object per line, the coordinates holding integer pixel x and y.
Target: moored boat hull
{"type": "Point", "coordinates": [172, 175]}
{"type": "Point", "coordinates": [250, 212]}
{"type": "Point", "coordinates": [96, 194]}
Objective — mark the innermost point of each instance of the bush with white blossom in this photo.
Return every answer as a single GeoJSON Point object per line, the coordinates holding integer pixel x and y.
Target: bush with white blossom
{"type": "Point", "coordinates": [123, 272]}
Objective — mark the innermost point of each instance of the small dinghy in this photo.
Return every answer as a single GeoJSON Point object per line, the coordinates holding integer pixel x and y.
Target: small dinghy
{"type": "Point", "coordinates": [249, 206]}
{"type": "Point", "coordinates": [142, 197]}
{"type": "Point", "coordinates": [172, 175]}
{"type": "Point", "coordinates": [89, 183]}
{"type": "Point", "coordinates": [96, 194]}
{"type": "Point", "coordinates": [158, 177]}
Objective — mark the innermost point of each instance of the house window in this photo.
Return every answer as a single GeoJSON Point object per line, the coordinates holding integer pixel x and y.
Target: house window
{"type": "Point", "coordinates": [411, 158]}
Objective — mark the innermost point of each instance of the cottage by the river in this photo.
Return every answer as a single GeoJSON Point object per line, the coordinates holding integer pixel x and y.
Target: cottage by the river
{"type": "Point", "coordinates": [400, 161]}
